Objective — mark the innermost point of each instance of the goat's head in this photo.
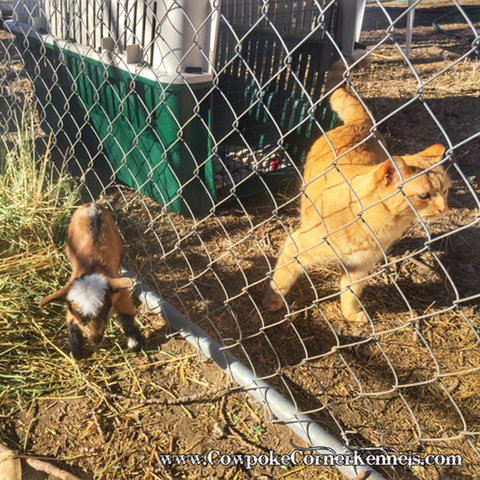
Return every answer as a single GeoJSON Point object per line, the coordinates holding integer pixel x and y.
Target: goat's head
{"type": "Point", "coordinates": [89, 302]}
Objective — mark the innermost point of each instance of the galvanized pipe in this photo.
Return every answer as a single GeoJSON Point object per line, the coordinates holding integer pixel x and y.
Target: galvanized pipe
{"type": "Point", "coordinates": [279, 406]}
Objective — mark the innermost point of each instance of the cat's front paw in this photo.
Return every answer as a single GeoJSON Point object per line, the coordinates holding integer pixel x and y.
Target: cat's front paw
{"type": "Point", "coordinates": [359, 318]}
{"type": "Point", "coordinates": [272, 300]}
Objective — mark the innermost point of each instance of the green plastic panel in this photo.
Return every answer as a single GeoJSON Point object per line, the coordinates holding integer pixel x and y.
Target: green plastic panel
{"type": "Point", "coordinates": [165, 153]}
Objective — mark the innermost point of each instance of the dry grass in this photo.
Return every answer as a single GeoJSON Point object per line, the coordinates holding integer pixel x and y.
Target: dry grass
{"type": "Point", "coordinates": [410, 380]}
{"type": "Point", "coordinates": [34, 205]}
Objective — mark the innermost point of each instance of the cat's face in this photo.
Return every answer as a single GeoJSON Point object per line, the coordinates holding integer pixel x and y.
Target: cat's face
{"type": "Point", "coordinates": [426, 192]}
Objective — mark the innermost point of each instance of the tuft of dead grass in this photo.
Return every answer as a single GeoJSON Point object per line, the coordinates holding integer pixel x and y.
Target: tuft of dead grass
{"type": "Point", "coordinates": [35, 204]}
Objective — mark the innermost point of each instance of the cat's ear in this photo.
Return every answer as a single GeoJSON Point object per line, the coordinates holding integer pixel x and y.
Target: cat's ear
{"type": "Point", "coordinates": [389, 173]}
{"type": "Point", "coordinates": [433, 154]}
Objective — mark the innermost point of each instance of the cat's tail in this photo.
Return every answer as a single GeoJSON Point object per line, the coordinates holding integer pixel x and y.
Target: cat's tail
{"type": "Point", "coordinates": [348, 108]}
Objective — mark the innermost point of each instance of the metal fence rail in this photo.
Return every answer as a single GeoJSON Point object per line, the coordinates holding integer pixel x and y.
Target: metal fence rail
{"type": "Point", "coordinates": [197, 140]}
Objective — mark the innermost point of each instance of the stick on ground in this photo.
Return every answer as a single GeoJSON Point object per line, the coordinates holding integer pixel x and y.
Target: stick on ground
{"type": "Point", "coordinates": [45, 467]}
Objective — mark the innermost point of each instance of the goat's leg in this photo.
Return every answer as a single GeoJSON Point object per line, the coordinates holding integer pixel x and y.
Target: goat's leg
{"type": "Point", "coordinates": [123, 305]}
{"type": "Point", "coordinates": [75, 340]}
{"type": "Point", "coordinates": [135, 340]}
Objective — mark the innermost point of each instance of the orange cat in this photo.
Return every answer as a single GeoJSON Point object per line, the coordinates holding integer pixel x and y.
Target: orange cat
{"type": "Point", "coordinates": [356, 201]}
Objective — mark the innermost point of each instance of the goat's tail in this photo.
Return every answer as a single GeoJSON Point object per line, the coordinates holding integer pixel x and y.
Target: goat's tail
{"type": "Point", "coordinates": [94, 212]}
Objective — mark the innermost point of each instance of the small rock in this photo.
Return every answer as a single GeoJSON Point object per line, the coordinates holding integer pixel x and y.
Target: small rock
{"type": "Point", "coordinates": [218, 431]}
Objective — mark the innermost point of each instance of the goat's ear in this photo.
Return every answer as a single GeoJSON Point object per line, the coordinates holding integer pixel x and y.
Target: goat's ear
{"type": "Point", "coordinates": [120, 283]}
{"type": "Point", "coordinates": [59, 296]}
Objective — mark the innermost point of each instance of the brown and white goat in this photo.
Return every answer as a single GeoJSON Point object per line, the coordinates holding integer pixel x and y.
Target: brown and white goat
{"type": "Point", "coordinates": [95, 289]}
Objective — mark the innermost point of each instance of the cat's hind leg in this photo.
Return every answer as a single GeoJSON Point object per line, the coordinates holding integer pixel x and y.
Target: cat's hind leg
{"type": "Point", "coordinates": [353, 287]}
{"type": "Point", "coordinates": [290, 266]}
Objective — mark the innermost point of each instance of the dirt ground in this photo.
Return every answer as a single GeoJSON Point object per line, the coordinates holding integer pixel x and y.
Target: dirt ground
{"type": "Point", "coordinates": [409, 381]}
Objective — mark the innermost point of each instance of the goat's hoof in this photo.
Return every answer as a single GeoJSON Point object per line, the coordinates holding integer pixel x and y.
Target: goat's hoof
{"type": "Point", "coordinates": [136, 344]}
{"type": "Point", "coordinates": [272, 300]}
{"type": "Point", "coordinates": [77, 354]}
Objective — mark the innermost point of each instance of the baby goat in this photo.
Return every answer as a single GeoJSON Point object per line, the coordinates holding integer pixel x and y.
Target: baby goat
{"type": "Point", "coordinates": [95, 288]}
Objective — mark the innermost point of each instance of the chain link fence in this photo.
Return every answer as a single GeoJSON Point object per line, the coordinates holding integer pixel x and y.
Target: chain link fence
{"type": "Point", "coordinates": [192, 120]}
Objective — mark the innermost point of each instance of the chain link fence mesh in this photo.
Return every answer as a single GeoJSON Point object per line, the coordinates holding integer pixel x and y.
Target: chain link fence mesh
{"type": "Point", "coordinates": [191, 121]}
